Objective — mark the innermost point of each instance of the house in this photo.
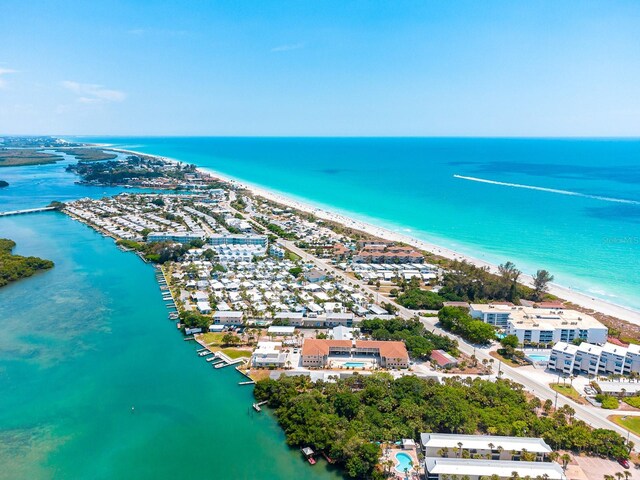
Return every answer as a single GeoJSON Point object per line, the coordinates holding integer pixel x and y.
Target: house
{"type": "Point", "coordinates": [228, 317]}
{"type": "Point", "coordinates": [269, 354]}
{"type": "Point", "coordinates": [442, 359]}
{"type": "Point", "coordinates": [204, 307]}
{"type": "Point", "coordinates": [281, 331]}
{"type": "Point", "coordinates": [293, 318]}
{"type": "Point", "coordinates": [314, 275]}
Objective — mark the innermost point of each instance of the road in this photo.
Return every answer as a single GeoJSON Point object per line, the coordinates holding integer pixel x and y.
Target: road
{"type": "Point", "coordinates": [593, 416]}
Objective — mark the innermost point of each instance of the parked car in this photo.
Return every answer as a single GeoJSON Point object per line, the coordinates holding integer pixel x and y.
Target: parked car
{"type": "Point", "coordinates": [624, 462]}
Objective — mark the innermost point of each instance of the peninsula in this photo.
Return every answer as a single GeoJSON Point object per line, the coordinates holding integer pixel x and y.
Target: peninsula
{"type": "Point", "coordinates": [337, 326]}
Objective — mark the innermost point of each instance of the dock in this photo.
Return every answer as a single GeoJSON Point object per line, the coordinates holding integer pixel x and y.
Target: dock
{"type": "Point", "coordinates": [256, 406]}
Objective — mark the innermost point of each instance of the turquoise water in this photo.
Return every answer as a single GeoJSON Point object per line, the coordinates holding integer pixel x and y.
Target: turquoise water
{"type": "Point", "coordinates": [586, 231]}
{"type": "Point", "coordinates": [538, 358]}
{"type": "Point", "coordinates": [403, 461]}
{"type": "Point", "coordinates": [354, 364]}
{"type": "Point", "coordinates": [84, 342]}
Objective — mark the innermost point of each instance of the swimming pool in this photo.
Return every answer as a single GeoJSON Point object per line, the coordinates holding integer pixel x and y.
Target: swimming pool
{"type": "Point", "coordinates": [355, 364]}
{"type": "Point", "coordinates": [404, 461]}
{"type": "Point", "coordinates": [538, 357]}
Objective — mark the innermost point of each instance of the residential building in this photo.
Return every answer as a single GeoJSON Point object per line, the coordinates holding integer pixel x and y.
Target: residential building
{"type": "Point", "coordinates": [269, 354]}
{"type": "Point", "coordinates": [229, 317]}
{"type": "Point", "coordinates": [478, 456]}
{"type": "Point", "coordinates": [443, 359]}
{"type": "Point", "coordinates": [244, 239]}
{"type": "Point", "coordinates": [388, 254]}
{"type": "Point", "coordinates": [608, 359]}
{"type": "Point", "coordinates": [316, 352]}
{"type": "Point", "coordinates": [534, 325]}
{"type": "Point", "coordinates": [177, 237]}
{"type": "Point", "coordinates": [446, 468]}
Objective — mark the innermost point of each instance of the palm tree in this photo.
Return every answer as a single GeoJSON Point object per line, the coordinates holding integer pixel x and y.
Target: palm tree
{"type": "Point", "coordinates": [565, 458]}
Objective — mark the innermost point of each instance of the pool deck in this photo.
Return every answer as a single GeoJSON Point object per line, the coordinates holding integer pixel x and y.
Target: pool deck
{"type": "Point", "coordinates": [390, 452]}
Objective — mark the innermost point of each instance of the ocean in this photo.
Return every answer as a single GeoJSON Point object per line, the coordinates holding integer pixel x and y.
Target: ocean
{"type": "Point", "coordinates": [570, 206]}
{"type": "Point", "coordinates": [83, 343]}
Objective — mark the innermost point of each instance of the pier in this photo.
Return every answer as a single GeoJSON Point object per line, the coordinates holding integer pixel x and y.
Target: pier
{"type": "Point", "coordinates": [256, 406]}
{"type": "Point", "coordinates": [25, 211]}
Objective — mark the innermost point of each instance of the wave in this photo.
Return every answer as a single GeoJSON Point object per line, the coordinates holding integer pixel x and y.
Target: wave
{"type": "Point", "coordinates": [550, 190]}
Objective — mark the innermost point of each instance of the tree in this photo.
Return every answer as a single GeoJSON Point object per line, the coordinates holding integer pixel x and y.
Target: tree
{"type": "Point", "coordinates": [230, 339]}
{"type": "Point", "coordinates": [541, 283]}
{"type": "Point", "coordinates": [510, 341]}
{"type": "Point", "coordinates": [565, 458]}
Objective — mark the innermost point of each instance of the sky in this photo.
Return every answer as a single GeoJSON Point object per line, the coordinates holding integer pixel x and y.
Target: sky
{"type": "Point", "coordinates": [320, 68]}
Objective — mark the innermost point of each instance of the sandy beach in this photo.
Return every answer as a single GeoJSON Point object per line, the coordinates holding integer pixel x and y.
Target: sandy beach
{"type": "Point", "coordinates": [576, 297]}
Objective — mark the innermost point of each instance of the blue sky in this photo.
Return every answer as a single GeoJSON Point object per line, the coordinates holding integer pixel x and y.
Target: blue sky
{"type": "Point", "coordinates": [415, 68]}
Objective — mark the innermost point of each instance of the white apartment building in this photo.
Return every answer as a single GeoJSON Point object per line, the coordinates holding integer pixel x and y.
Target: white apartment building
{"type": "Point", "coordinates": [178, 237]}
{"type": "Point", "coordinates": [269, 354]}
{"type": "Point", "coordinates": [541, 325]}
{"type": "Point", "coordinates": [478, 456]}
{"type": "Point", "coordinates": [608, 359]}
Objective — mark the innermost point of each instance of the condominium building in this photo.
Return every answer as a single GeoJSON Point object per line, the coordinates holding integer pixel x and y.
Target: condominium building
{"type": "Point", "coordinates": [177, 237]}
{"type": "Point", "coordinates": [229, 239]}
{"type": "Point", "coordinates": [479, 456]}
{"type": "Point", "coordinates": [316, 352]}
{"type": "Point", "coordinates": [388, 254]}
{"type": "Point", "coordinates": [541, 325]}
{"type": "Point", "coordinates": [608, 359]}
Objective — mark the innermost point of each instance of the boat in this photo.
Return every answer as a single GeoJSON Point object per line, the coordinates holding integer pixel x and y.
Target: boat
{"type": "Point", "coordinates": [308, 453]}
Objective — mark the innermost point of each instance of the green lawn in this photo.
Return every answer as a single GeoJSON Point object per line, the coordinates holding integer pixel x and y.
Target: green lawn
{"type": "Point", "coordinates": [235, 353]}
{"type": "Point", "coordinates": [628, 422]}
{"type": "Point", "coordinates": [212, 338]}
{"type": "Point", "coordinates": [568, 391]}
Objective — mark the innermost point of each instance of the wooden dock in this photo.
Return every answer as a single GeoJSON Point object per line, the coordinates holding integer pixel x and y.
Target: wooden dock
{"type": "Point", "coordinates": [256, 406]}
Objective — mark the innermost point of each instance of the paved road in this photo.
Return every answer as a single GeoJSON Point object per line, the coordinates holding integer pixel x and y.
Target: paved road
{"type": "Point", "coordinates": [591, 415]}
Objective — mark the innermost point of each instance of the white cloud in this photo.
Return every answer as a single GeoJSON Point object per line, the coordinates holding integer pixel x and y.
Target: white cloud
{"type": "Point", "coordinates": [287, 48]}
{"type": "Point", "coordinates": [91, 93]}
{"type": "Point", "coordinates": [5, 71]}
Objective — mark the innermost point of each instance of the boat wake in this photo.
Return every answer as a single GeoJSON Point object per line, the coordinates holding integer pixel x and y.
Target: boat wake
{"type": "Point", "coordinates": [550, 190]}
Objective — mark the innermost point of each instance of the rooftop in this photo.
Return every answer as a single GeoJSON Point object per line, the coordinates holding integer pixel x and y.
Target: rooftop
{"type": "Point", "coordinates": [477, 468]}
{"type": "Point", "coordinates": [481, 442]}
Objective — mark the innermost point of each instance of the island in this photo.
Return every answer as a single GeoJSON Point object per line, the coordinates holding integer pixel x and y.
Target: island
{"type": "Point", "coordinates": [15, 267]}
{"type": "Point", "coordinates": [22, 151]}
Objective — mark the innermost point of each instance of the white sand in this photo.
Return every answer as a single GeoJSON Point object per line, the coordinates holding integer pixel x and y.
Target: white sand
{"type": "Point", "coordinates": [565, 293]}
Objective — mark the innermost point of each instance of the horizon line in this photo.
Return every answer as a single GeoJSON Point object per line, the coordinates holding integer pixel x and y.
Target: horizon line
{"type": "Point", "coordinates": [497, 137]}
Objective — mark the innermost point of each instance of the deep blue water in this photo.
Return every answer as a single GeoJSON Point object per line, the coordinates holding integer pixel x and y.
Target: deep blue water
{"type": "Point", "coordinates": [408, 184]}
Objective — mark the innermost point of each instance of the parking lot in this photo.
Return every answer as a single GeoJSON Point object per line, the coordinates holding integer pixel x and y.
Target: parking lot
{"type": "Point", "coordinates": [595, 468]}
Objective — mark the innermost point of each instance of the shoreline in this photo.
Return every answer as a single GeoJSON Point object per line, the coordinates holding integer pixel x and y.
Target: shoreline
{"type": "Point", "coordinates": [573, 296]}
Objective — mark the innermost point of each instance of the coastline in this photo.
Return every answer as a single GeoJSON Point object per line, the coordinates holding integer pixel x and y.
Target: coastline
{"type": "Point", "coordinates": [579, 298]}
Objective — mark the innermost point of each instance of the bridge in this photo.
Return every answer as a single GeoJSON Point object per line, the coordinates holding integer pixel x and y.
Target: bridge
{"type": "Point", "coordinates": [25, 211]}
